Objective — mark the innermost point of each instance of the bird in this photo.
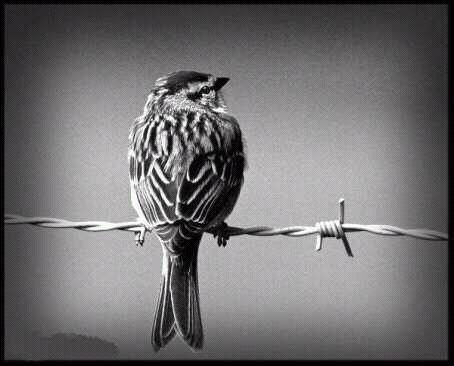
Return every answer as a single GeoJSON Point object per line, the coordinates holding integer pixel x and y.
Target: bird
{"type": "Point", "coordinates": [186, 167]}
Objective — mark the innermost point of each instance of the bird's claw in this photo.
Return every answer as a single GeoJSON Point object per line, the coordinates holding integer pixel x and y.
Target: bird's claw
{"type": "Point", "coordinates": [140, 236]}
{"type": "Point", "coordinates": [221, 233]}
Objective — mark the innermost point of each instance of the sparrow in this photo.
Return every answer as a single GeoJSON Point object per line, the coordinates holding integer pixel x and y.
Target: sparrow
{"type": "Point", "coordinates": [186, 165]}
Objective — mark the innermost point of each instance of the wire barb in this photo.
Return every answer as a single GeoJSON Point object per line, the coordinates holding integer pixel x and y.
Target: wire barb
{"type": "Point", "coordinates": [332, 228]}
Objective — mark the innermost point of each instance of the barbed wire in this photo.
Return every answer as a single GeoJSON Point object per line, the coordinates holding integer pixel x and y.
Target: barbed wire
{"type": "Point", "coordinates": [332, 228]}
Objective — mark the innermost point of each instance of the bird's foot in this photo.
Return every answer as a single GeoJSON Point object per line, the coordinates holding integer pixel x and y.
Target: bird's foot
{"type": "Point", "coordinates": [221, 232]}
{"type": "Point", "coordinates": [140, 236]}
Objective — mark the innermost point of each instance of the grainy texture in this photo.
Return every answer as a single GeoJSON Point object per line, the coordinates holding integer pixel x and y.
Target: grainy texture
{"type": "Point", "coordinates": [333, 101]}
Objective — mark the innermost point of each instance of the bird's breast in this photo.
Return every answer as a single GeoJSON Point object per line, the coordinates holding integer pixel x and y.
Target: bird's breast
{"type": "Point", "coordinates": [196, 133]}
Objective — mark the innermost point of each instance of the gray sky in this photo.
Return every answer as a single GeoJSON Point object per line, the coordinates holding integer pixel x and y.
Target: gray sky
{"type": "Point", "coordinates": [334, 101]}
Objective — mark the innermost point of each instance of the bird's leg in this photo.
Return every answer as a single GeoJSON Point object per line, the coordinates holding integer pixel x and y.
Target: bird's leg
{"type": "Point", "coordinates": [140, 236]}
{"type": "Point", "coordinates": [220, 231]}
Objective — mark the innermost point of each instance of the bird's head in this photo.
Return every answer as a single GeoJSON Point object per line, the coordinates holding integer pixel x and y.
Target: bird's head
{"type": "Point", "coordinates": [190, 90]}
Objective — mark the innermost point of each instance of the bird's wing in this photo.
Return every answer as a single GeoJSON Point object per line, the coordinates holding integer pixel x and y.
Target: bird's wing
{"type": "Point", "coordinates": [197, 195]}
{"type": "Point", "coordinates": [206, 186]}
{"type": "Point", "coordinates": [155, 190]}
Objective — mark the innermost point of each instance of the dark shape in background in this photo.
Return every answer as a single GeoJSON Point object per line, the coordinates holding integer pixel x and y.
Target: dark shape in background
{"type": "Point", "coordinates": [62, 346]}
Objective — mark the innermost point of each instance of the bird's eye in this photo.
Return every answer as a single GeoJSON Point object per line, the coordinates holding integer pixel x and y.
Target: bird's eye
{"type": "Point", "coordinates": [205, 90]}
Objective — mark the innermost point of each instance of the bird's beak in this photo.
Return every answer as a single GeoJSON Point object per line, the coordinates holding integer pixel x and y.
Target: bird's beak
{"type": "Point", "coordinates": [219, 83]}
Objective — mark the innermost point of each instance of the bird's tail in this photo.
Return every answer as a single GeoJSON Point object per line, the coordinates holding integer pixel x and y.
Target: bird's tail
{"type": "Point", "coordinates": [178, 308]}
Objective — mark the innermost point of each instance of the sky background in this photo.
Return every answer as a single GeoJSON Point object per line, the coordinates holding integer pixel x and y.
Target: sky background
{"type": "Point", "coordinates": [333, 100]}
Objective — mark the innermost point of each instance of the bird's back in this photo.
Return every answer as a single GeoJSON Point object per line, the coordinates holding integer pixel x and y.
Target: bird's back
{"type": "Point", "coordinates": [177, 163]}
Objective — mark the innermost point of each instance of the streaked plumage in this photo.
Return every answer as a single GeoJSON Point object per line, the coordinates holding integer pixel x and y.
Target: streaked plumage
{"type": "Point", "coordinates": [186, 170]}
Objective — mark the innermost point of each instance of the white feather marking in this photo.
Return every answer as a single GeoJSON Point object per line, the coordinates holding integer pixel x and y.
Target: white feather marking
{"type": "Point", "coordinates": [161, 191]}
{"type": "Point", "coordinates": [223, 172]}
{"type": "Point", "coordinates": [165, 230]}
{"type": "Point", "coordinates": [213, 166]}
{"type": "Point", "coordinates": [147, 137]}
{"type": "Point", "coordinates": [160, 173]}
{"type": "Point", "coordinates": [197, 191]}
{"type": "Point", "coordinates": [205, 205]}
{"type": "Point", "coordinates": [199, 175]}
{"type": "Point", "coordinates": [184, 123]}
{"type": "Point", "coordinates": [159, 203]}
{"type": "Point", "coordinates": [219, 110]}
{"type": "Point", "coordinates": [164, 141]}
{"type": "Point", "coordinates": [137, 207]}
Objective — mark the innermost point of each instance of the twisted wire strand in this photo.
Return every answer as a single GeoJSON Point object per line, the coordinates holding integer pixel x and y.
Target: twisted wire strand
{"type": "Point", "coordinates": [293, 231]}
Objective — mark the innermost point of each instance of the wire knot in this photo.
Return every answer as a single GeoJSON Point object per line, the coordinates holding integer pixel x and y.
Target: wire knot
{"type": "Point", "coordinates": [330, 229]}
{"type": "Point", "coordinates": [333, 229]}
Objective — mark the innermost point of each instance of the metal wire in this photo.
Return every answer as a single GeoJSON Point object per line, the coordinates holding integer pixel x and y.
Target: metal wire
{"type": "Point", "coordinates": [333, 228]}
